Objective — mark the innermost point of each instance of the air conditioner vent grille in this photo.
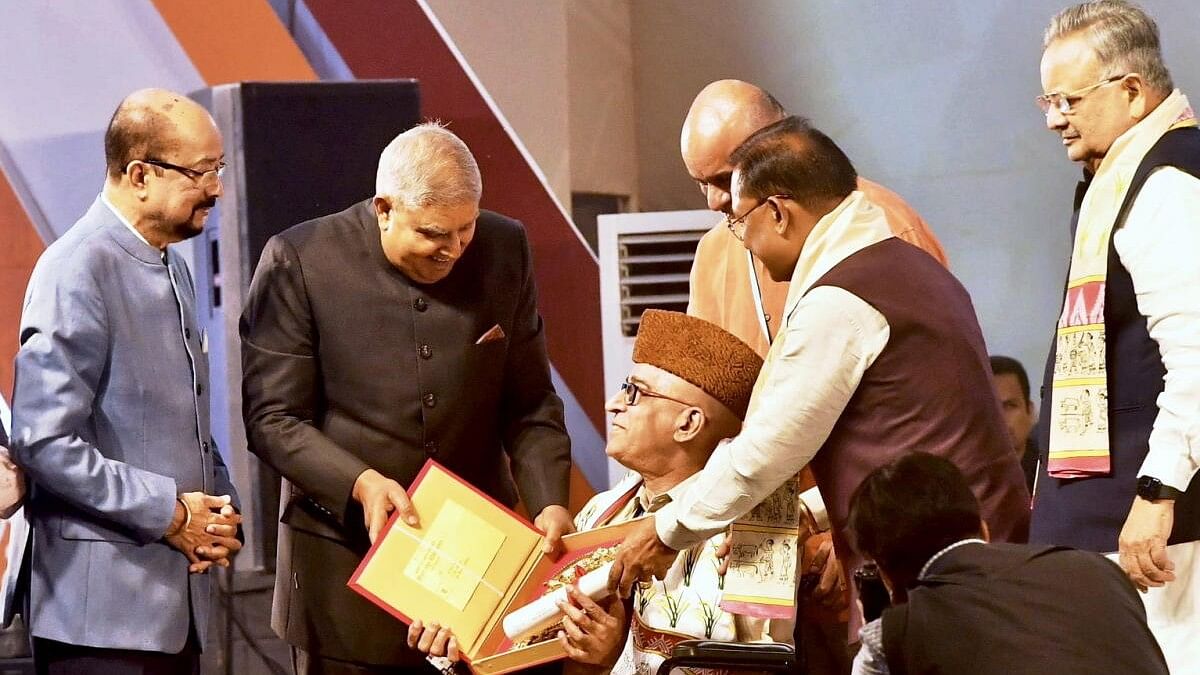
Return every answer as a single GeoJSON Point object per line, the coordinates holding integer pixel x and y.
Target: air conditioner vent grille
{"type": "Point", "coordinates": [653, 272]}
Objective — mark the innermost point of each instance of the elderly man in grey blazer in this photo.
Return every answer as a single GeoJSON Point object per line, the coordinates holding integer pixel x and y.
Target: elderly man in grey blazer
{"type": "Point", "coordinates": [130, 501]}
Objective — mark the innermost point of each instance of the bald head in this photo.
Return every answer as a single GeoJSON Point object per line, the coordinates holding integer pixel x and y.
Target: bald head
{"type": "Point", "coordinates": [152, 124]}
{"type": "Point", "coordinates": [724, 114]}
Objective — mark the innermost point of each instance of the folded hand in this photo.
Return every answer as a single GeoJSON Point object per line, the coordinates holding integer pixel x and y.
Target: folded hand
{"type": "Point", "coordinates": [831, 587]}
{"type": "Point", "coordinates": [206, 532]}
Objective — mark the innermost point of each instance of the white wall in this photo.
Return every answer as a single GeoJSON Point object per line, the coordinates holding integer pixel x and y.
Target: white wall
{"type": "Point", "coordinates": [518, 49]}
{"type": "Point", "coordinates": [600, 72]}
{"type": "Point", "coordinates": [931, 98]}
{"type": "Point", "coordinates": [562, 73]}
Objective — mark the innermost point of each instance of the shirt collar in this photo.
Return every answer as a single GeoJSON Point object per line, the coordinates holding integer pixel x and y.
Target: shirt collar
{"type": "Point", "coordinates": [934, 558]}
{"type": "Point", "coordinates": [651, 503]}
{"type": "Point", "coordinates": [121, 217]}
{"type": "Point", "coordinates": [851, 226]}
{"type": "Point", "coordinates": [1127, 151]}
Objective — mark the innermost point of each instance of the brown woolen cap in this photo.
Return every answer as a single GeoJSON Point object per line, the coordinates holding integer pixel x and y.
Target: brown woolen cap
{"type": "Point", "coordinates": [701, 353]}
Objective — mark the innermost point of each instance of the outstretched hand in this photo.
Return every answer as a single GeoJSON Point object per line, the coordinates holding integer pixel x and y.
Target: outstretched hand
{"type": "Point", "coordinates": [641, 557]}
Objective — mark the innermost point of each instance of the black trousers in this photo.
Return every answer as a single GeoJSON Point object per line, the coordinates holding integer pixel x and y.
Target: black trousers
{"type": "Point", "coordinates": [60, 658]}
{"type": "Point", "coordinates": [307, 663]}
{"type": "Point", "coordinates": [304, 663]}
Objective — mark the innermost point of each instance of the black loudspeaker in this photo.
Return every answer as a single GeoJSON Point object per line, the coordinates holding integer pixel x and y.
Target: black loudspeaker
{"type": "Point", "coordinates": [295, 151]}
{"type": "Point", "coordinates": [312, 149]}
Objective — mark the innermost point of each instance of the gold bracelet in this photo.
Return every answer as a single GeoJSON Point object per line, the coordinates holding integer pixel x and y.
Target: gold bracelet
{"type": "Point", "coordinates": [187, 518]}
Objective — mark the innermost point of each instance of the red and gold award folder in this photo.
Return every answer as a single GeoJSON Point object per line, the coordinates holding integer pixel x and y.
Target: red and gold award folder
{"type": "Point", "coordinates": [469, 563]}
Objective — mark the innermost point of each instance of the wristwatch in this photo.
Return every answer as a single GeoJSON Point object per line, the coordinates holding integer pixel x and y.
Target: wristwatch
{"type": "Point", "coordinates": [1151, 488]}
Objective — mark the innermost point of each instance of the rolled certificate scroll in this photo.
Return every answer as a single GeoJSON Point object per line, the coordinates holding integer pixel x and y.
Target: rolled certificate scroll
{"type": "Point", "coordinates": [544, 612]}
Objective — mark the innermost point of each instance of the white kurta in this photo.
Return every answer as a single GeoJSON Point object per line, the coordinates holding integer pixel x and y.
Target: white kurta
{"type": "Point", "coordinates": [684, 605]}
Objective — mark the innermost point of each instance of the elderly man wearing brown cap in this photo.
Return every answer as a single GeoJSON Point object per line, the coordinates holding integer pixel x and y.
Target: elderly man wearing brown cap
{"type": "Point", "coordinates": [688, 389]}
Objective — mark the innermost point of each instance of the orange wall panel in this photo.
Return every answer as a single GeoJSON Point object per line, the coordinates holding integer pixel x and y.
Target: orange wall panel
{"type": "Point", "coordinates": [20, 247]}
{"type": "Point", "coordinates": [235, 40]}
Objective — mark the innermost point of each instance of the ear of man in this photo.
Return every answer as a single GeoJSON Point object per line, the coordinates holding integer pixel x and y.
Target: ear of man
{"type": "Point", "coordinates": [1135, 91]}
{"type": "Point", "coordinates": [689, 424]}
{"type": "Point", "coordinates": [780, 216]}
{"type": "Point", "coordinates": [136, 173]}
{"type": "Point", "coordinates": [381, 205]}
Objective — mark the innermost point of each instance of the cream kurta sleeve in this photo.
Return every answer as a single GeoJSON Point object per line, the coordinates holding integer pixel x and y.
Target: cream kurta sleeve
{"type": "Point", "coordinates": [827, 343]}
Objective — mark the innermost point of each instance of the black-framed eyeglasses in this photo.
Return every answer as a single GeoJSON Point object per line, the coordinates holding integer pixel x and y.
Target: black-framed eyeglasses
{"type": "Point", "coordinates": [738, 225]}
{"type": "Point", "coordinates": [197, 177]}
{"type": "Point", "coordinates": [1064, 102]}
{"type": "Point", "coordinates": [634, 392]}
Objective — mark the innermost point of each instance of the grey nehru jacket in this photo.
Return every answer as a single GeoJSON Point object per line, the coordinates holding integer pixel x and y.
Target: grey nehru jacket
{"type": "Point", "coordinates": [111, 423]}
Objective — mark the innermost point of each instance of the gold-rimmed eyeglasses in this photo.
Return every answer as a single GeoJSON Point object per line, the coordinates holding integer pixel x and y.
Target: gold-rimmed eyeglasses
{"type": "Point", "coordinates": [634, 393]}
{"type": "Point", "coordinates": [738, 225]}
{"type": "Point", "coordinates": [1064, 102]}
{"type": "Point", "coordinates": [195, 175]}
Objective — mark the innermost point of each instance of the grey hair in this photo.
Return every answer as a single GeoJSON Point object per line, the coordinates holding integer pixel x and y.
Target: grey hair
{"type": "Point", "coordinates": [1124, 36]}
{"type": "Point", "coordinates": [428, 166]}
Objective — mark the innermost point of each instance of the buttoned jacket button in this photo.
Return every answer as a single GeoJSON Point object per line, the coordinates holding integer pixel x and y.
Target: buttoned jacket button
{"type": "Point", "coordinates": [199, 389]}
{"type": "Point", "coordinates": [204, 446]}
{"type": "Point", "coordinates": [420, 305]}
{"type": "Point", "coordinates": [426, 352]}
{"type": "Point", "coordinates": [429, 400]}
{"type": "Point", "coordinates": [431, 448]}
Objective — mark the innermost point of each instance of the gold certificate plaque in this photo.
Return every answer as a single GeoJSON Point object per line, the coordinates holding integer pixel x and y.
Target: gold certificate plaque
{"type": "Point", "coordinates": [451, 564]}
{"type": "Point", "coordinates": [467, 565]}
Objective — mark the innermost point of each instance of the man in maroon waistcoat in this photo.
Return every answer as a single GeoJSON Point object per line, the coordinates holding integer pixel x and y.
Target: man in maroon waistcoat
{"type": "Point", "coordinates": [880, 353]}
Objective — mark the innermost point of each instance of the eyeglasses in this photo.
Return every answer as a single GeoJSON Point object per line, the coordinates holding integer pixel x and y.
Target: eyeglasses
{"type": "Point", "coordinates": [1063, 102]}
{"type": "Point", "coordinates": [634, 392]}
{"type": "Point", "coordinates": [197, 177]}
{"type": "Point", "coordinates": [738, 225]}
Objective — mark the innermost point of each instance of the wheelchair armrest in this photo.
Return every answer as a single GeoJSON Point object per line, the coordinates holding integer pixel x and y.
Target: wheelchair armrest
{"type": "Point", "coordinates": [760, 656]}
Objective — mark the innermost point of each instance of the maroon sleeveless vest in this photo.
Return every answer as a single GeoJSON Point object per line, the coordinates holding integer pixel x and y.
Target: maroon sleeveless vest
{"type": "Point", "coordinates": [929, 390]}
